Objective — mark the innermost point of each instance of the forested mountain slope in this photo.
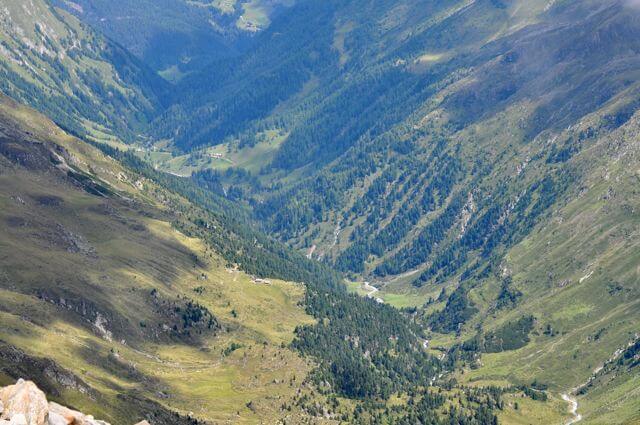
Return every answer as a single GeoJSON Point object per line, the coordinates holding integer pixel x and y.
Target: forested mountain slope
{"type": "Point", "coordinates": [399, 141]}
{"type": "Point", "coordinates": [124, 299]}
{"type": "Point", "coordinates": [86, 83]}
{"type": "Point", "coordinates": [347, 51]}
{"type": "Point", "coordinates": [177, 36]}
{"type": "Point", "coordinates": [473, 159]}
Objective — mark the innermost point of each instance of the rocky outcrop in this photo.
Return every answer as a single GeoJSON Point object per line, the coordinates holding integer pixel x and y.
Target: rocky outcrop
{"type": "Point", "coordinates": [25, 404]}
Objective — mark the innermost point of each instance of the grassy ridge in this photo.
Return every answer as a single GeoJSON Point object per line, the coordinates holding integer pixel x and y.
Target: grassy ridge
{"type": "Point", "coordinates": [110, 273]}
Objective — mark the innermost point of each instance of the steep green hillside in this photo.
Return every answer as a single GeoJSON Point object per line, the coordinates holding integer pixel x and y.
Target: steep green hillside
{"type": "Point", "coordinates": [577, 275]}
{"type": "Point", "coordinates": [51, 61]}
{"type": "Point", "coordinates": [112, 309]}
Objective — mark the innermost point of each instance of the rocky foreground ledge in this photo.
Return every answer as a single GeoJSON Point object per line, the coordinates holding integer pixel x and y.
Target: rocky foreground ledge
{"type": "Point", "coordinates": [25, 404]}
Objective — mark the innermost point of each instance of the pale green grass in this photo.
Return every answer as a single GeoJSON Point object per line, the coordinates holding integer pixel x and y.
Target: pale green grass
{"type": "Point", "coordinates": [615, 401]}
{"type": "Point", "coordinates": [249, 158]}
{"type": "Point", "coordinates": [255, 16]}
{"type": "Point", "coordinates": [172, 74]}
{"type": "Point", "coordinates": [532, 412]}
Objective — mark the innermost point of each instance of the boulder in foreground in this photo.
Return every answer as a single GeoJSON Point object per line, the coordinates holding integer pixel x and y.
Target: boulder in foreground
{"type": "Point", "coordinates": [25, 404]}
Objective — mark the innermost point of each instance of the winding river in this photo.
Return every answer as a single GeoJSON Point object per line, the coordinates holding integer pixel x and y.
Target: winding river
{"type": "Point", "coordinates": [573, 403]}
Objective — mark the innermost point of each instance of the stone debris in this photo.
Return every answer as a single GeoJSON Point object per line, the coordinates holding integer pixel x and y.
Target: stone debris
{"type": "Point", "coordinates": [25, 404]}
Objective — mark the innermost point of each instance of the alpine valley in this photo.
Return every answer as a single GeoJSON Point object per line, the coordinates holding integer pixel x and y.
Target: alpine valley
{"type": "Point", "coordinates": [320, 212]}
